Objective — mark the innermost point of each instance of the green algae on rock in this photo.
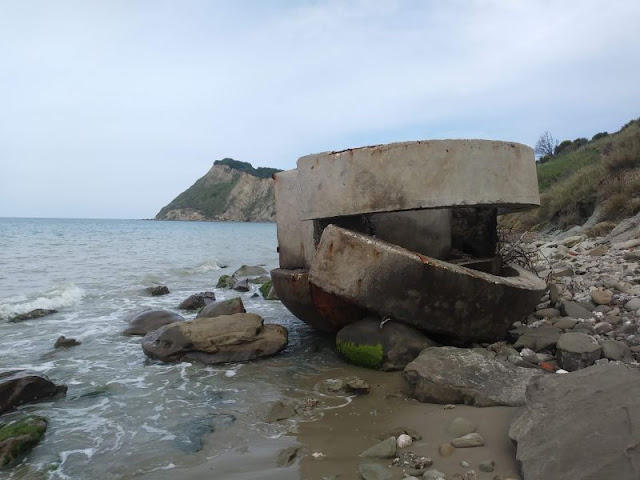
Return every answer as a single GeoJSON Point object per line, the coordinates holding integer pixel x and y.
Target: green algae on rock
{"type": "Point", "coordinates": [369, 356]}
{"type": "Point", "coordinates": [18, 437]}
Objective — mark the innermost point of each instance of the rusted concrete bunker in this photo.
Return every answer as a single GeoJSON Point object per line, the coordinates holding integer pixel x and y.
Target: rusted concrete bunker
{"type": "Point", "coordinates": [407, 231]}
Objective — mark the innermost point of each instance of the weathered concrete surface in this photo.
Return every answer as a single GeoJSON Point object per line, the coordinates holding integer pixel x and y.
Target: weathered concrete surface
{"type": "Point", "coordinates": [454, 303]}
{"type": "Point", "coordinates": [295, 237]}
{"type": "Point", "coordinates": [311, 304]}
{"type": "Point", "coordinates": [582, 425]}
{"type": "Point", "coordinates": [417, 175]}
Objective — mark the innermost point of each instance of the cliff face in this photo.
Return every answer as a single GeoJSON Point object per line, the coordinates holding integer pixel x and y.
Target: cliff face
{"type": "Point", "coordinates": [225, 193]}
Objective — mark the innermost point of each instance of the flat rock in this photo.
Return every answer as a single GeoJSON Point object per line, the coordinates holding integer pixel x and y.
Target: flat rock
{"type": "Point", "coordinates": [20, 387]}
{"type": "Point", "coordinates": [598, 251]}
{"type": "Point", "coordinates": [37, 313]}
{"type": "Point", "coordinates": [449, 375]}
{"type": "Point", "coordinates": [385, 345]}
{"type": "Point", "coordinates": [565, 323]}
{"type": "Point", "coordinates": [468, 441]}
{"type": "Point", "coordinates": [224, 307]}
{"type": "Point", "coordinates": [151, 320]}
{"type": "Point", "coordinates": [227, 338]}
{"type": "Point", "coordinates": [576, 350]}
{"type": "Point", "coordinates": [385, 449]}
{"type": "Point", "coordinates": [547, 313]}
{"type": "Point", "coordinates": [616, 350]}
{"type": "Point", "coordinates": [581, 425]}
{"type": "Point", "coordinates": [538, 338]}
{"type": "Point", "coordinates": [574, 310]}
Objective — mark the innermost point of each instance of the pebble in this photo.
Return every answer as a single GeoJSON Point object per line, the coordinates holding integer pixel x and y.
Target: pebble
{"type": "Point", "coordinates": [464, 464]}
{"type": "Point", "coordinates": [487, 466]}
{"type": "Point", "coordinates": [404, 440]}
{"type": "Point", "coordinates": [446, 450]}
{"type": "Point", "coordinates": [468, 441]}
{"type": "Point", "coordinates": [433, 474]}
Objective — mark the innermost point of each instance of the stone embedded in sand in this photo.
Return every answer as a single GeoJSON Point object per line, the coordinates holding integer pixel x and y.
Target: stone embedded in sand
{"type": "Point", "coordinates": [487, 466]}
{"type": "Point", "coordinates": [446, 450]}
{"type": "Point", "coordinates": [458, 375]}
{"type": "Point", "coordinates": [581, 425]}
{"type": "Point", "coordinates": [280, 411]}
{"type": "Point", "coordinates": [287, 456]}
{"type": "Point", "coordinates": [20, 387]}
{"type": "Point", "coordinates": [459, 427]}
{"type": "Point", "coordinates": [576, 350]}
{"type": "Point", "coordinates": [151, 320]}
{"type": "Point", "coordinates": [357, 386]}
{"type": "Point", "coordinates": [227, 338]}
{"type": "Point", "coordinates": [468, 441]}
{"type": "Point", "coordinates": [385, 449]}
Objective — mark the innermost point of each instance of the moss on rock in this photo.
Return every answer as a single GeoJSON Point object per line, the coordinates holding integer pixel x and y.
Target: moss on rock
{"type": "Point", "coordinates": [18, 437]}
{"type": "Point", "coordinates": [369, 356]}
{"type": "Point", "coordinates": [225, 281]}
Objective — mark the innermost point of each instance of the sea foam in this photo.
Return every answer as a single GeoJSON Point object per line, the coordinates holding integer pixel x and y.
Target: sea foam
{"type": "Point", "coordinates": [65, 295]}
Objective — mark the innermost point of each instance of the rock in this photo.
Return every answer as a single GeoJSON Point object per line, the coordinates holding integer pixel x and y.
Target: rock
{"type": "Point", "coordinates": [227, 338]}
{"type": "Point", "coordinates": [616, 350]}
{"type": "Point", "coordinates": [225, 281]}
{"type": "Point", "coordinates": [570, 242]}
{"type": "Point", "coordinates": [598, 251]}
{"type": "Point", "coordinates": [224, 307]}
{"type": "Point", "coordinates": [547, 313]}
{"type": "Point", "coordinates": [20, 387]}
{"type": "Point", "coordinates": [249, 271]}
{"type": "Point", "coordinates": [464, 464]}
{"type": "Point", "coordinates": [565, 323]}
{"type": "Point", "coordinates": [388, 346]}
{"type": "Point", "coordinates": [487, 466]}
{"type": "Point", "coordinates": [613, 320]}
{"type": "Point", "coordinates": [470, 475]}
{"type": "Point", "coordinates": [403, 441]}
{"type": "Point", "coordinates": [448, 375]}
{"type": "Point", "coordinates": [574, 310]}
{"type": "Point", "coordinates": [37, 313]}
{"type": "Point", "coordinates": [65, 342]}
{"type": "Point", "coordinates": [632, 256]}
{"type": "Point", "coordinates": [280, 411]}
{"type": "Point", "coordinates": [632, 305]}
{"type": "Point", "coordinates": [242, 285]}
{"type": "Point", "coordinates": [538, 338]}
{"type": "Point", "coordinates": [157, 290]}
{"type": "Point", "coordinates": [357, 386]}
{"type": "Point", "coordinates": [287, 456]}
{"type": "Point", "coordinates": [18, 437]}
{"type": "Point", "coordinates": [267, 291]}
{"type": "Point", "coordinates": [411, 461]}
{"type": "Point", "coordinates": [459, 427]}
{"type": "Point", "coordinates": [468, 441]}
{"type": "Point", "coordinates": [385, 449]}
{"type": "Point", "coordinates": [396, 432]}
{"type": "Point", "coordinates": [601, 297]}
{"type": "Point", "coordinates": [197, 301]}
{"type": "Point", "coordinates": [577, 350]}
{"type": "Point", "coordinates": [602, 328]}
{"type": "Point", "coordinates": [433, 474]}
{"type": "Point", "coordinates": [446, 450]}
{"type": "Point", "coordinates": [604, 309]}
{"type": "Point", "coordinates": [373, 471]}
{"type": "Point", "coordinates": [554, 293]}
{"type": "Point", "coordinates": [581, 425]}
{"type": "Point", "coordinates": [151, 320]}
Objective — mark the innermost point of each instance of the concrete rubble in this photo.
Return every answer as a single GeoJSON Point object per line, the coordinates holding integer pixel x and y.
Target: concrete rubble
{"type": "Point", "coordinates": [406, 231]}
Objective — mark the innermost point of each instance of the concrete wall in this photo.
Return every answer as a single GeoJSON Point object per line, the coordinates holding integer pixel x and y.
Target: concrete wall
{"type": "Point", "coordinates": [417, 175]}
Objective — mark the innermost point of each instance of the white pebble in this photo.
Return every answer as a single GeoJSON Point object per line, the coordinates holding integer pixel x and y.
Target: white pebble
{"type": "Point", "coordinates": [404, 440]}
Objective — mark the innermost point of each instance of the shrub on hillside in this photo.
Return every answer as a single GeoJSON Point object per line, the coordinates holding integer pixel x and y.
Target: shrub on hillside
{"type": "Point", "coordinates": [624, 155]}
{"type": "Point", "coordinates": [599, 135]}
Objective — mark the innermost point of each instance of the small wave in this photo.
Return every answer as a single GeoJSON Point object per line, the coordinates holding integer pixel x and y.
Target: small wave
{"type": "Point", "coordinates": [203, 267]}
{"type": "Point", "coordinates": [58, 297]}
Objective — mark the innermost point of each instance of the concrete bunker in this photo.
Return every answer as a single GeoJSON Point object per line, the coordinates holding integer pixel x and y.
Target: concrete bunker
{"type": "Point", "coordinates": [406, 231]}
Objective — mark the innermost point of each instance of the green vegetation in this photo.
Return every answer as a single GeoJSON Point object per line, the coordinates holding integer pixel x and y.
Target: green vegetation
{"type": "Point", "coordinates": [19, 437]}
{"type": "Point", "coordinates": [369, 356]}
{"type": "Point", "coordinates": [225, 281]}
{"type": "Point", "coordinates": [582, 175]}
{"type": "Point", "coordinates": [265, 289]}
{"type": "Point", "coordinates": [246, 167]}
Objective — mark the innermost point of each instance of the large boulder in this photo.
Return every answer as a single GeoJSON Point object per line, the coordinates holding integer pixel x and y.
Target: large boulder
{"type": "Point", "coordinates": [248, 271]}
{"type": "Point", "coordinates": [385, 345]}
{"type": "Point", "coordinates": [18, 437]}
{"type": "Point", "coordinates": [227, 338]}
{"type": "Point", "coordinates": [151, 320]}
{"type": "Point", "coordinates": [472, 377]}
{"type": "Point", "coordinates": [581, 425]}
{"type": "Point", "coordinates": [224, 307]}
{"type": "Point", "coordinates": [197, 301]}
{"type": "Point", "coordinates": [20, 386]}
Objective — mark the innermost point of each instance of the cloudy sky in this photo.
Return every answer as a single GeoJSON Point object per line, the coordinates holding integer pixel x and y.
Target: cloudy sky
{"type": "Point", "coordinates": [109, 109]}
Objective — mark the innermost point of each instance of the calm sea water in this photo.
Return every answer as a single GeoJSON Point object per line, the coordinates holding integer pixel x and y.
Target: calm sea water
{"type": "Point", "coordinates": [125, 416]}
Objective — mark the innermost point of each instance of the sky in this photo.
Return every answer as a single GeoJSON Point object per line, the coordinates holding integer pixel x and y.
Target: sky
{"type": "Point", "coordinates": [111, 108]}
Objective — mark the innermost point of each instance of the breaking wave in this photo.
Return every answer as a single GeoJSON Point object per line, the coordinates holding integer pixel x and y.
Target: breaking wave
{"type": "Point", "coordinates": [60, 296]}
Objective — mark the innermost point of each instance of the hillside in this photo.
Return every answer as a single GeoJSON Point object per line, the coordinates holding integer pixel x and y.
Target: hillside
{"type": "Point", "coordinates": [596, 180]}
{"type": "Point", "coordinates": [230, 191]}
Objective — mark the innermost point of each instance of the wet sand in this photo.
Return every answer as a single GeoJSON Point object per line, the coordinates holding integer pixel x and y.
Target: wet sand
{"type": "Point", "coordinates": [342, 427]}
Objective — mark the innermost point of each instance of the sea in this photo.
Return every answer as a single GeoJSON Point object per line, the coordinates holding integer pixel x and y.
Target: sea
{"type": "Point", "coordinates": [126, 416]}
